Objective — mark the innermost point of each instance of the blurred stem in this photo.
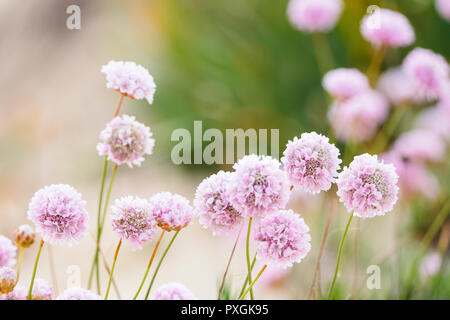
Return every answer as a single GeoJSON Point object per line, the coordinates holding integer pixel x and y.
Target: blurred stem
{"type": "Point", "coordinates": [112, 269]}
{"type": "Point", "coordinates": [339, 256]}
{"type": "Point", "coordinates": [149, 264]}
{"type": "Point", "coordinates": [119, 105]}
{"type": "Point", "coordinates": [251, 285]}
{"type": "Point", "coordinates": [375, 64]}
{"type": "Point", "coordinates": [249, 268]}
{"type": "Point", "coordinates": [159, 264]}
{"type": "Point", "coordinates": [19, 263]}
{"type": "Point", "coordinates": [388, 130]}
{"type": "Point", "coordinates": [51, 262]}
{"type": "Point", "coordinates": [30, 290]}
{"type": "Point", "coordinates": [246, 278]}
{"type": "Point", "coordinates": [108, 196]}
{"type": "Point", "coordinates": [324, 57]}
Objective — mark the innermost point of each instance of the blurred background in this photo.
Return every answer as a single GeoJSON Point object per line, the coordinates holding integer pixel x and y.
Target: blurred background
{"type": "Point", "coordinates": [231, 64]}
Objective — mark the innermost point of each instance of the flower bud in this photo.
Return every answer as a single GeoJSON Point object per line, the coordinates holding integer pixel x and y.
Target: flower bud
{"type": "Point", "coordinates": [8, 279]}
{"type": "Point", "coordinates": [24, 236]}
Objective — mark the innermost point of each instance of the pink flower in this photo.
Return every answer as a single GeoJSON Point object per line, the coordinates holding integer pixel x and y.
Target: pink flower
{"type": "Point", "coordinates": [7, 252]}
{"type": "Point", "coordinates": [133, 221]}
{"type": "Point", "coordinates": [125, 140]}
{"type": "Point", "coordinates": [435, 119]}
{"type": "Point", "coordinates": [311, 162]}
{"type": "Point", "coordinates": [399, 88]}
{"type": "Point", "coordinates": [173, 291]}
{"type": "Point", "coordinates": [213, 205]}
{"type": "Point", "coordinates": [429, 70]}
{"type": "Point", "coordinates": [24, 236]}
{"type": "Point", "coordinates": [259, 186]}
{"type": "Point", "coordinates": [314, 15]}
{"type": "Point", "coordinates": [19, 293]}
{"type": "Point", "coordinates": [59, 214]}
{"type": "Point", "coordinates": [420, 145]}
{"type": "Point", "coordinates": [368, 187]}
{"type": "Point", "coordinates": [8, 279]}
{"type": "Point", "coordinates": [130, 79]}
{"type": "Point", "coordinates": [42, 290]}
{"type": "Point", "coordinates": [358, 118]}
{"type": "Point", "coordinates": [272, 276]}
{"type": "Point", "coordinates": [345, 83]}
{"type": "Point", "coordinates": [77, 293]}
{"type": "Point", "coordinates": [171, 211]}
{"type": "Point", "coordinates": [282, 238]}
{"type": "Point", "coordinates": [443, 7]}
{"type": "Point", "coordinates": [430, 265]}
{"type": "Point", "coordinates": [387, 28]}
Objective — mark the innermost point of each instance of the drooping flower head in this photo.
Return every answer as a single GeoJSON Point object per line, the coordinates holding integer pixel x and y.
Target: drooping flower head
{"type": "Point", "coordinates": [399, 88]}
{"type": "Point", "coordinates": [314, 15]}
{"type": "Point", "coordinates": [125, 140]}
{"type": "Point", "coordinates": [59, 214]}
{"type": "Point", "coordinates": [77, 293]}
{"type": "Point", "coordinates": [213, 205]}
{"type": "Point", "coordinates": [429, 70]}
{"type": "Point", "coordinates": [311, 162]}
{"type": "Point", "coordinates": [8, 279]}
{"type": "Point", "coordinates": [443, 7]}
{"type": "Point", "coordinates": [7, 252]}
{"type": "Point", "coordinates": [344, 83]}
{"type": "Point", "coordinates": [173, 291]}
{"type": "Point", "coordinates": [420, 145]}
{"type": "Point", "coordinates": [172, 212]}
{"type": "Point", "coordinates": [42, 290]}
{"type": "Point", "coordinates": [130, 79]}
{"type": "Point", "coordinates": [19, 293]}
{"type": "Point", "coordinates": [133, 221]}
{"type": "Point", "coordinates": [387, 28]}
{"type": "Point", "coordinates": [358, 118]}
{"type": "Point", "coordinates": [368, 186]}
{"type": "Point", "coordinates": [259, 186]}
{"type": "Point", "coordinates": [282, 238]}
{"type": "Point", "coordinates": [24, 236]}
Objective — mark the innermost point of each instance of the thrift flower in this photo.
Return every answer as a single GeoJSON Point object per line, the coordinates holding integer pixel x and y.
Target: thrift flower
{"type": "Point", "coordinates": [77, 293]}
{"type": "Point", "coordinates": [213, 205]}
{"type": "Point", "coordinates": [125, 140]}
{"type": "Point", "coordinates": [7, 252]}
{"type": "Point", "coordinates": [399, 88]}
{"type": "Point", "coordinates": [8, 278]}
{"type": "Point", "coordinates": [42, 290]}
{"type": "Point", "coordinates": [435, 119]}
{"type": "Point", "coordinates": [173, 291]}
{"type": "Point", "coordinates": [59, 214]}
{"type": "Point", "coordinates": [282, 238]}
{"type": "Point", "coordinates": [132, 220]}
{"type": "Point", "coordinates": [171, 211]}
{"type": "Point", "coordinates": [24, 236]}
{"type": "Point", "coordinates": [130, 79]}
{"type": "Point", "coordinates": [430, 265]}
{"type": "Point", "coordinates": [314, 15]}
{"type": "Point", "coordinates": [420, 145]}
{"type": "Point", "coordinates": [344, 83]}
{"type": "Point", "coordinates": [443, 7]}
{"type": "Point", "coordinates": [19, 293]}
{"type": "Point", "coordinates": [368, 187]}
{"type": "Point", "coordinates": [311, 162]}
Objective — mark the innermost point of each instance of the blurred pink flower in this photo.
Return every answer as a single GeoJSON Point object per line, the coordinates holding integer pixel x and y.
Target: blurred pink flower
{"type": "Point", "coordinates": [42, 290]}
{"type": "Point", "coordinates": [7, 252]}
{"type": "Point", "coordinates": [130, 79]}
{"type": "Point", "coordinates": [387, 28]}
{"type": "Point", "coordinates": [314, 15]}
{"type": "Point", "coordinates": [311, 162]}
{"type": "Point", "coordinates": [272, 276]}
{"type": "Point", "coordinates": [399, 88]}
{"type": "Point", "coordinates": [435, 119]}
{"type": "Point", "coordinates": [8, 279]}
{"type": "Point", "coordinates": [59, 213]}
{"type": "Point", "coordinates": [443, 7]}
{"type": "Point", "coordinates": [282, 238]}
{"type": "Point", "coordinates": [171, 211]}
{"type": "Point", "coordinates": [420, 145]}
{"type": "Point", "coordinates": [125, 140]}
{"type": "Point", "coordinates": [173, 291]}
{"type": "Point", "coordinates": [77, 293]}
{"type": "Point", "coordinates": [344, 83]}
{"type": "Point", "coordinates": [19, 293]}
{"type": "Point", "coordinates": [368, 187]}
{"type": "Point", "coordinates": [430, 265]}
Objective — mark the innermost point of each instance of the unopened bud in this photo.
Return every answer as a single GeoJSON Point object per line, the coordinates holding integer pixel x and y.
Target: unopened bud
{"type": "Point", "coordinates": [24, 236]}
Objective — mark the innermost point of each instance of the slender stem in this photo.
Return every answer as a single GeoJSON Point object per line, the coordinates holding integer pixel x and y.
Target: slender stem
{"type": "Point", "coordinates": [108, 196]}
{"type": "Point", "coordinates": [149, 264]}
{"type": "Point", "coordinates": [112, 269]}
{"type": "Point", "coordinates": [375, 64]}
{"type": "Point", "coordinates": [159, 264]}
{"type": "Point", "coordinates": [229, 263]}
{"type": "Point", "coordinates": [251, 285]}
{"type": "Point", "coordinates": [30, 291]}
{"type": "Point", "coordinates": [339, 256]}
{"type": "Point", "coordinates": [246, 278]}
{"type": "Point", "coordinates": [19, 263]}
{"type": "Point", "coordinates": [119, 105]}
{"type": "Point", "coordinates": [51, 262]}
{"type": "Point", "coordinates": [249, 269]}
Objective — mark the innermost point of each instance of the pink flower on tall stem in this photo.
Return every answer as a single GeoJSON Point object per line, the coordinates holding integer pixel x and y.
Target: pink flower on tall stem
{"type": "Point", "coordinates": [399, 88]}
{"type": "Point", "coordinates": [420, 145]}
{"type": "Point", "coordinates": [443, 7]}
{"type": "Point", "coordinates": [172, 212]}
{"type": "Point", "coordinates": [344, 83]}
{"type": "Point", "coordinates": [314, 15]}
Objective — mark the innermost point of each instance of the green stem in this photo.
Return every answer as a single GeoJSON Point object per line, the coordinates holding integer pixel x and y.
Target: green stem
{"type": "Point", "coordinates": [246, 278]}
{"type": "Point", "coordinates": [30, 291]}
{"type": "Point", "coordinates": [375, 64]}
{"type": "Point", "coordinates": [339, 256]}
{"type": "Point", "coordinates": [249, 268]}
{"type": "Point", "coordinates": [159, 264]}
{"type": "Point", "coordinates": [251, 285]}
{"type": "Point", "coordinates": [108, 196]}
{"type": "Point", "coordinates": [112, 269]}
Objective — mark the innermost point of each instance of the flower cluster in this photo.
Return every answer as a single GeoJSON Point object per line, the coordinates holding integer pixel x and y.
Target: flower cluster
{"type": "Point", "coordinates": [8, 252]}
{"type": "Point", "coordinates": [172, 212]}
{"type": "Point", "coordinates": [344, 83]}
{"type": "Point", "coordinates": [314, 15]}
{"type": "Point", "coordinates": [8, 278]}
{"type": "Point", "coordinates": [173, 291]}
{"type": "Point", "coordinates": [77, 293]}
{"type": "Point", "coordinates": [443, 7]}
{"type": "Point", "coordinates": [399, 88]}
{"type": "Point", "coordinates": [19, 293]}
{"type": "Point", "coordinates": [42, 290]}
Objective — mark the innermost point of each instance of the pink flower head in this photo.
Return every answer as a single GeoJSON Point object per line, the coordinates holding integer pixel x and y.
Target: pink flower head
{"type": "Point", "coordinates": [171, 211]}
{"type": "Point", "coordinates": [344, 83]}
{"type": "Point", "coordinates": [430, 265]}
{"type": "Point", "coordinates": [132, 220]}
{"type": "Point", "coordinates": [213, 205]}
{"type": "Point", "coordinates": [24, 236]}
{"type": "Point", "coordinates": [173, 291]}
{"type": "Point", "coordinates": [272, 276]}
{"type": "Point", "coordinates": [428, 69]}
{"type": "Point", "coordinates": [125, 140]}
{"type": "Point", "coordinates": [314, 15]}
{"type": "Point", "coordinates": [443, 7]}
{"type": "Point", "coordinates": [77, 293]}
{"type": "Point", "coordinates": [282, 238]}
{"type": "Point", "coordinates": [399, 88]}
{"type": "Point", "coordinates": [420, 145]}
{"type": "Point", "coordinates": [19, 293]}
{"type": "Point", "coordinates": [311, 162]}
{"type": "Point", "coordinates": [387, 28]}
{"type": "Point", "coordinates": [7, 252]}
{"type": "Point", "coordinates": [259, 186]}
{"type": "Point", "coordinates": [8, 279]}
{"type": "Point", "coordinates": [59, 214]}
{"type": "Point", "coordinates": [42, 290]}
{"type": "Point", "coordinates": [358, 118]}
{"type": "Point", "coordinates": [130, 79]}
{"type": "Point", "coordinates": [435, 119]}
{"type": "Point", "coordinates": [368, 187]}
